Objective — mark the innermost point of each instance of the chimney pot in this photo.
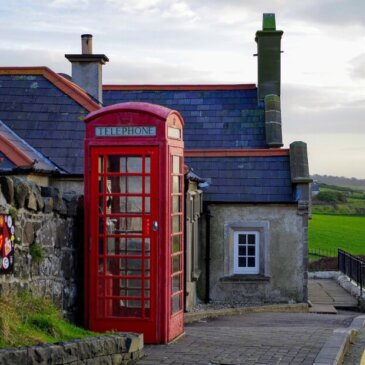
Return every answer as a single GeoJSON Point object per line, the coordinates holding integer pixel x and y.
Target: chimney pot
{"type": "Point", "coordinates": [87, 43]}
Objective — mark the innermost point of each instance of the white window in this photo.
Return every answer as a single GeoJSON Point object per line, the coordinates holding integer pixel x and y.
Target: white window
{"type": "Point", "coordinates": [246, 252]}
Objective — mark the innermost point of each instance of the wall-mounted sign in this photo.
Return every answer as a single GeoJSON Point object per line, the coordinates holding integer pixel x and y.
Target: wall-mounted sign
{"type": "Point", "coordinates": [126, 131]}
{"type": "Point", "coordinates": [7, 237]}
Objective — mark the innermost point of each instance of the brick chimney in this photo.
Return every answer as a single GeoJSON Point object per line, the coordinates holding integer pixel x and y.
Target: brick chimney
{"type": "Point", "coordinates": [87, 68]}
{"type": "Point", "coordinates": [268, 51]}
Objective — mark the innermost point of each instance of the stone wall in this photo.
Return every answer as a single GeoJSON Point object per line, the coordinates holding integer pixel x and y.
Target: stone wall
{"type": "Point", "coordinates": [48, 242]}
{"type": "Point", "coordinates": [115, 349]}
{"type": "Point", "coordinates": [282, 232]}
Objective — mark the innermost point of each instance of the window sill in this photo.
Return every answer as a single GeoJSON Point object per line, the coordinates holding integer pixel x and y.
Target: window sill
{"type": "Point", "coordinates": [245, 278]}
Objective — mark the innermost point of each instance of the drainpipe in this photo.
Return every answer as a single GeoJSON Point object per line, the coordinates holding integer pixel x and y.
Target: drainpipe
{"type": "Point", "coordinates": [207, 257]}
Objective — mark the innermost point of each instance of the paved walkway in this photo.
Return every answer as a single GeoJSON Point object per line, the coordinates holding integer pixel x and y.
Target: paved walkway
{"type": "Point", "coordinates": [326, 292]}
{"type": "Point", "coordinates": [260, 338]}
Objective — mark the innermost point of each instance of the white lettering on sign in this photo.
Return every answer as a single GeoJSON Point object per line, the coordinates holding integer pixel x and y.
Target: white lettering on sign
{"type": "Point", "coordinates": [125, 131]}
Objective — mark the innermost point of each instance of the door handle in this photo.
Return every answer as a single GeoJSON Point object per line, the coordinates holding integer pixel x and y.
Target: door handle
{"type": "Point", "coordinates": [155, 226]}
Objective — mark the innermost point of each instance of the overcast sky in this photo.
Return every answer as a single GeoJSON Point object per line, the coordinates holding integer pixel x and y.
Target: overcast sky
{"type": "Point", "coordinates": [212, 41]}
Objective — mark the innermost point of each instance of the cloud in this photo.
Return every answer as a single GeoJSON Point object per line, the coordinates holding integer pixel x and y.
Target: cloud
{"type": "Point", "coordinates": [357, 67]}
{"type": "Point", "coordinates": [134, 6]}
{"type": "Point", "coordinates": [152, 71]}
{"type": "Point", "coordinates": [68, 3]}
{"type": "Point", "coordinates": [321, 110]}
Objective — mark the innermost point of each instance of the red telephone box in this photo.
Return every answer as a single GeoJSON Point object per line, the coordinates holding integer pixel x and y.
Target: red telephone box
{"type": "Point", "coordinates": [134, 221]}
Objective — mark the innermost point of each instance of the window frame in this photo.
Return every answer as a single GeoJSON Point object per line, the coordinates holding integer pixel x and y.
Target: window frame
{"type": "Point", "coordinates": [246, 270]}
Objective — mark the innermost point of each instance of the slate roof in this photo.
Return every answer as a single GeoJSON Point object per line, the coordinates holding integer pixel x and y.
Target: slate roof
{"type": "Point", "coordinates": [225, 117]}
{"type": "Point", "coordinates": [47, 111]}
{"type": "Point", "coordinates": [36, 161]}
{"type": "Point", "coordinates": [245, 179]}
{"type": "Point", "coordinates": [215, 116]}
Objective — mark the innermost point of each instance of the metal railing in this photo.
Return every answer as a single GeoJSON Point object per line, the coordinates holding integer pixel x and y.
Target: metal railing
{"type": "Point", "coordinates": [353, 267]}
{"type": "Point", "coordinates": [323, 252]}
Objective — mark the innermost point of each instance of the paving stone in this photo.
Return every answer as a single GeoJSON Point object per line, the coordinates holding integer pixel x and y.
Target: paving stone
{"type": "Point", "coordinates": [256, 338]}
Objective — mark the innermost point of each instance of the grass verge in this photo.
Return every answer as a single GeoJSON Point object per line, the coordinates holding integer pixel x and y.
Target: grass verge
{"type": "Point", "coordinates": [337, 231]}
{"type": "Point", "coordinates": [26, 320]}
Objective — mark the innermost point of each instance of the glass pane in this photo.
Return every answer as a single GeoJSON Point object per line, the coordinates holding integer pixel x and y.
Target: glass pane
{"type": "Point", "coordinates": [101, 245]}
{"type": "Point", "coordinates": [101, 164]}
{"type": "Point", "coordinates": [176, 184]}
{"type": "Point", "coordinates": [147, 246]}
{"type": "Point", "coordinates": [242, 239]}
{"type": "Point", "coordinates": [175, 224]}
{"type": "Point", "coordinates": [134, 164]}
{"type": "Point", "coordinates": [251, 239]}
{"type": "Point", "coordinates": [175, 164]}
{"type": "Point", "coordinates": [124, 266]}
{"type": "Point", "coordinates": [242, 250]}
{"type": "Point", "coordinates": [100, 184]}
{"type": "Point", "coordinates": [176, 243]}
{"type": "Point", "coordinates": [101, 205]}
{"type": "Point", "coordinates": [123, 308]}
{"type": "Point", "coordinates": [134, 204]}
{"type": "Point", "coordinates": [101, 265]}
{"type": "Point", "coordinates": [147, 167]}
{"type": "Point", "coordinates": [251, 262]}
{"type": "Point", "coordinates": [147, 185]}
{"type": "Point", "coordinates": [251, 250]}
{"type": "Point", "coordinates": [176, 263]}
{"type": "Point", "coordinates": [176, 204]}
{"type": "Point", "coordinates": [101, 287]}
{"type": "Point", "coordinates": [176, 303]}
{"type": "Point", "coordinates": [100, 308]}
{"type": "Point", "coordinates": [134, 184]}
{"type": "Point", "coordinates": [176, 280]}
{"type": "Point", "coordinates": [124, 225]}
{"type": "Point", "coordinates": [147, 205]}
{"type": "Point", "coordinates": [242, 262]}
{"type": "Point", "coordinates": [116, 163]}
{"type": "Point", "coordinates": [116, 184]}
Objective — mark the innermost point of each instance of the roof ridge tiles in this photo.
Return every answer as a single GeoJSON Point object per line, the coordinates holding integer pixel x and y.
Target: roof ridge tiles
{"type": "Point", "coordinates": [184, 87]}
{"type": "Point", "coordinates": [68, 87]}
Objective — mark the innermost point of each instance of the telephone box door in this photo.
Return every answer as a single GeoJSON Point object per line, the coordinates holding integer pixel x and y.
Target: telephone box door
{"type": "Point", "coordinates": [124, 236]}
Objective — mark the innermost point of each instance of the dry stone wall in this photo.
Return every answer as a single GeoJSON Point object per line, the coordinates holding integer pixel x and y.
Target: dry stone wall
{"type": "Point", "coordinates": [48, 242]}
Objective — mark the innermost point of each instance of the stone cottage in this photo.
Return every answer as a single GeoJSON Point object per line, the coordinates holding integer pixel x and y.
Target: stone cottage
{"type": "Point", "coordinates": [251, 243]}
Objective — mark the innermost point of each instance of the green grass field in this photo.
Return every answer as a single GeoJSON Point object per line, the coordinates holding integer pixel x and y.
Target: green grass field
{"type": "Point", "coordinates": [337, 231]}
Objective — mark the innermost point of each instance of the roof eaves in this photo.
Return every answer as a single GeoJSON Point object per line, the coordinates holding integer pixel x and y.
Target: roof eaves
{"type": "Point", "coordinates": [66, 86]}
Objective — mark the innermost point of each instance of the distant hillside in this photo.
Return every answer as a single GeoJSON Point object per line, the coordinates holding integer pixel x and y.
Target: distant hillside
{"type": "Point", "coordinates": [340, 181]}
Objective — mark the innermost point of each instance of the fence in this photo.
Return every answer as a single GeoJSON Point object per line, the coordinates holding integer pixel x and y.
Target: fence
{"type": "Point", "coordinates": [323, 252]}
{"type": "Point", "coordinates": [352, 266]}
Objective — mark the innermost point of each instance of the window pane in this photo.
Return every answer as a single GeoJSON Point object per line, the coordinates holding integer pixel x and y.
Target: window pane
{"type": "Point", "coordinates": [101, 164]}
{"type": "Point", "coordinates": [176, 184]}
{"type": "Point", "coordinates": [251, 262]}
{"type": "Point", "coordinates": [176, 224]}
{"type": "Point", "coordinates": [123, 308]}
{"type": "Point", "coordinates": [147, 185]}
{"type": "Point", "coordinates": [147, 207]}
{"type": "Point", "coordinates": [175, 164]}
{"type": "Point", "coordinates": [124, 266]}
{"type": "Point", "coordinates": [176, 303]}
{"type": "Point", "coordinates": [116, 164]}
{"type": "Point", "coordinates": [147, 165]}
{"type": "Point", "coordinates": [176, 204]}
{"type": "Point", "coordinates": [116, 184]}
{"type": "Point", "coordinates": [251, 250]}
{"type": "Point", "coordinates": [242, 239]}
{"type": "Point", "coordinates": [124, 225]}
{"type": "Point", "coordinates": [251, 239]}
{"type": "Point", "coordinates": [100, 184]}
{"type": "Point", "coordinates": [134, 184]}
{"type": "Point", "coordinates": [176, 263]}
{"type": "Point", "coordinates": [101, 266]}
{"type": "Point", "coordinates": [134, 164]}
{"type": "Point", "coordinates": [242, 250]}
{"type": "Point", "coordinates": [241, 262]}
{"type": "Point", "coordinates": [176, 243]}
{"type": "Point", "coordinates": [147, 246]}
{"type": "Point", "coordinates": [101, 246]}
{"type": "Point", "coordinates": [176, 281]}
